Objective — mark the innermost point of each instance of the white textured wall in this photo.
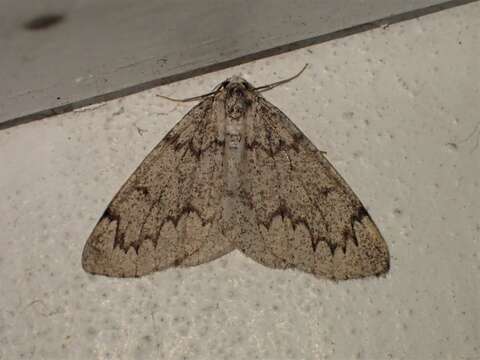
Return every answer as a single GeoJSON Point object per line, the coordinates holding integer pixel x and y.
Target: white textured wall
{"type": "Point", "coordinates": [396, 109]}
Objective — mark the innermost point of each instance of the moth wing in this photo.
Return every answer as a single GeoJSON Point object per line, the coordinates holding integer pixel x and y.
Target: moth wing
{"type": "Point", "coordinates": [168, 211]}
{"type": "Point", "coordinates": [304, 214]}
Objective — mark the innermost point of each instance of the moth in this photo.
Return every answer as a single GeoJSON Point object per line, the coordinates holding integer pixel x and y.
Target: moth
{"type": "Point", "coordinates": [236, 174]}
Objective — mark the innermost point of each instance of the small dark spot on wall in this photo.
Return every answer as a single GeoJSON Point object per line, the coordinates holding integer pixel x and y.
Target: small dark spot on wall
{"type": "Point", "coordinates": [398, 211]}
{"type": "Point", "coordinates": [43, 22]}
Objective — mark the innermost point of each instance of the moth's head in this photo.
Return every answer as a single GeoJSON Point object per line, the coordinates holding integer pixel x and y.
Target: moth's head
{"type": "Point", "coordinates": [236, 83]}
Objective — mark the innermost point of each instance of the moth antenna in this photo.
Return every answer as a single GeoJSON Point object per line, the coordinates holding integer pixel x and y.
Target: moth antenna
{"type": "Point", "coordinates": [281, 82]}
{"type": "Point", "coordinates": [195, 98]}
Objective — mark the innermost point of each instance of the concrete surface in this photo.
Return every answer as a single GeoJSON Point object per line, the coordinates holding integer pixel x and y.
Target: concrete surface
{"type": "Point", "coordinates": [100, 49]}
{"type": "Point", "coordinates": [397, 110]}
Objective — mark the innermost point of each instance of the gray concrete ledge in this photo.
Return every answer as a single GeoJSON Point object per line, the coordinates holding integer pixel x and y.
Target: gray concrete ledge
{"type": "Point", "coordinates": [90, 52]}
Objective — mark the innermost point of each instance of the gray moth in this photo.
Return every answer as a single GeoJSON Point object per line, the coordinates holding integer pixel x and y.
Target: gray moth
{"type": "Point", "coordinates": [236, 174]}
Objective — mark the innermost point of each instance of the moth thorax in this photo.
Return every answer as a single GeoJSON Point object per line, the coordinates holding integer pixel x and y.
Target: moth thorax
{"type": "Point", "coordinates": [237, 103]}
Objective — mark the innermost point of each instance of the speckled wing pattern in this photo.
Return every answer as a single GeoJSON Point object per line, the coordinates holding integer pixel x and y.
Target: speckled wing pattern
{"type": "Point", "coordinates": [236, 173]}
{"type": "Point", "coordinates": [168, 212]}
